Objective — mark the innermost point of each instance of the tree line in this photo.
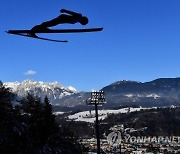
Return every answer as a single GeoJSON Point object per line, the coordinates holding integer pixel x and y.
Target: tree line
{"type": "Point", "coordinates": [30, 127]}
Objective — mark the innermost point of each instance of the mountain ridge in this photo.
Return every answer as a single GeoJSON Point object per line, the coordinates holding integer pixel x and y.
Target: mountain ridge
{"type": "Point", "coordinates": [54, 90]}
{"type": "Point", "coordinates": [158, 92]}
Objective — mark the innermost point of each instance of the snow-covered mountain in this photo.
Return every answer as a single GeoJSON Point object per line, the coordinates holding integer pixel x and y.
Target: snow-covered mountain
{"type": "Point", "coordinates": [55, 91]}
{"type": "Point", "coordinates": [159, 92]}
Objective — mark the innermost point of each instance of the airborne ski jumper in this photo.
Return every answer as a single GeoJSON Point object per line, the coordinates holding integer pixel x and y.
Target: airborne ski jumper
{"type": "Point", "coordinates": [67, 17]}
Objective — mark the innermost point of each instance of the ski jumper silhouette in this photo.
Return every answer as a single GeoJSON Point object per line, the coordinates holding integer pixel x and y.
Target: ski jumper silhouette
{"type": "Point", "coordinates": [67, 17]}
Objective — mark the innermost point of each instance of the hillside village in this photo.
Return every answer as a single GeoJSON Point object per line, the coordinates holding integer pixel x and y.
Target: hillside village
{"type": "Point", "coordinates": [135, 140]}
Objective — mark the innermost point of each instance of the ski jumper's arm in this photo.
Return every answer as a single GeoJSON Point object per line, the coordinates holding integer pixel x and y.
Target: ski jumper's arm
{"type": "Point", "coordinates": [70, 12]}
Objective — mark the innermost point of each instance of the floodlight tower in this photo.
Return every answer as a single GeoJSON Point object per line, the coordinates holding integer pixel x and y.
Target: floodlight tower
{"type": "Point", "coordinates": [97, 99]}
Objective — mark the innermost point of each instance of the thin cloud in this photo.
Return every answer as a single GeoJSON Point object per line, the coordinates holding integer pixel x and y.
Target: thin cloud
{"type": "Point", "coordinates": [30, 72]}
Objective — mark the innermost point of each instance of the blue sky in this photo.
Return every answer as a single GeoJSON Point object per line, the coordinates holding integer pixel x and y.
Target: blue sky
{"type": "Point", "coordinates": [140, 41]}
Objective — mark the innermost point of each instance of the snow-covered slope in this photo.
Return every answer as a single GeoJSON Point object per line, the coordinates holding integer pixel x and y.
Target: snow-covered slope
{"type": "Point", "coordinates": [54, 90]}
{"type": "Point", "coordinates": [89, 116]}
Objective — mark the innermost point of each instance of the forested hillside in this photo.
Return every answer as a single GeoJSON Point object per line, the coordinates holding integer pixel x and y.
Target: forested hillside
{"type": "Point", "coordinates": [30, 127]}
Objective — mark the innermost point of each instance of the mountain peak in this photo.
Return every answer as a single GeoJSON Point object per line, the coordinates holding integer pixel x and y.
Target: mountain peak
{"type": "Point", "coordinates": [54, 90]}
{"type": "Point", "coordinates": [124, 82]}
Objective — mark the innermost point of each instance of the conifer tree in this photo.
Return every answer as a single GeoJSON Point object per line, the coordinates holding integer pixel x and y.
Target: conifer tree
{"type": "Point", "coordinates": [50, 126]}
{"type": "Point", "coordinates": [6, 97]}
{"type": "Point", "coordinates": [9, 130]}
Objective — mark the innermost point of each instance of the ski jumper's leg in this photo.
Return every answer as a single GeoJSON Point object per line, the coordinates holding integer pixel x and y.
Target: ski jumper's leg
{"type": "Point", "coordinates": [59, 20]}
{"type": "Point", "coordinates": [52, 22]}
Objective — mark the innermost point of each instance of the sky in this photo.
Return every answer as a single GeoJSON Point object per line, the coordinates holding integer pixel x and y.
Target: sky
{"type": "Point", "coordinates": [140, 42]}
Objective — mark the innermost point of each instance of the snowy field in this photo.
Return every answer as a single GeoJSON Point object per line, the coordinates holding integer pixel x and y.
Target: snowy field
{"type": "Point", "coordinates": [58, 113]}
{"type": "Point", "coordinates": [89, 116]}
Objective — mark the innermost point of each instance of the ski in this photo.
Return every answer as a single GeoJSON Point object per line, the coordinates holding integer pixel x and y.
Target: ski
{"type": "Point", "coordinates": [40, 38]}
{"type": "Point", "coordinates": [56, 31]}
